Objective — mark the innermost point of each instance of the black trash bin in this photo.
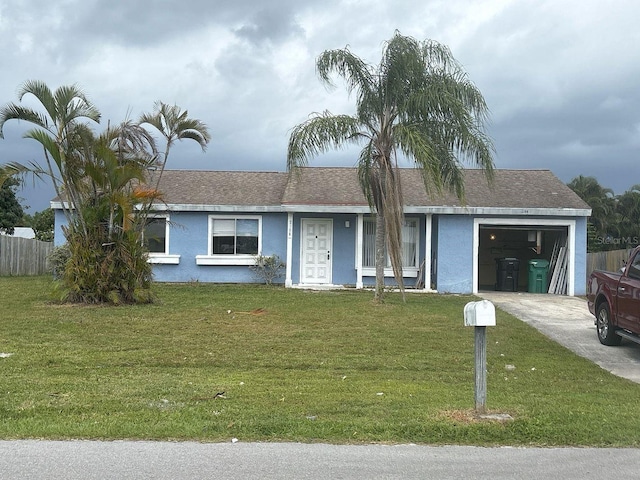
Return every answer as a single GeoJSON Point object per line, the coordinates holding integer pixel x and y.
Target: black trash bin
{"type": "Point", "coordinates": [507, 270]}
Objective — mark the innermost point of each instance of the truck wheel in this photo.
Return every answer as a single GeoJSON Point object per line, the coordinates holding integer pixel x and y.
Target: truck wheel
{"type": "Point", "coordinates": [606, 331]}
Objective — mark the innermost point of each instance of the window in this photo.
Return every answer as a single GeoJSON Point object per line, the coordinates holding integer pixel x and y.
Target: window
{"type": "Point", "coordinates": [409, 244]}
{"type": "Point", "coordinates": [236, 236]}
{"type": "Point", "coordinates": [634, 268]}
{"type": "Point", "coordinates": [232, 240]}
{"type": "Point", "coordinates": [155, 237]}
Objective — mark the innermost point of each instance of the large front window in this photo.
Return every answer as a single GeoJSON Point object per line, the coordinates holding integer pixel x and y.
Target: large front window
{"type": "Point", "coordinates": [409, 244]}
{"type": "Point", "coordinates": [235, 236]}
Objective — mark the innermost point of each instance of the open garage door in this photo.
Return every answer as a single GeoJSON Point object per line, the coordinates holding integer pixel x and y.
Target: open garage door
{"type": "Point", "coordinates": [524, 257]}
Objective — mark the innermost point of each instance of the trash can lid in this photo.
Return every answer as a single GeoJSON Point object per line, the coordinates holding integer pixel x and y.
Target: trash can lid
{"type": "Point", "coordinates": [539, 262]}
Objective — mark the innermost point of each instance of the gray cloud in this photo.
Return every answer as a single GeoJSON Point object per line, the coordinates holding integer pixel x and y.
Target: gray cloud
{"type": "Point", "coordinates": [270, 24]}
{"type": "Point", "coordinates": [560, 77]}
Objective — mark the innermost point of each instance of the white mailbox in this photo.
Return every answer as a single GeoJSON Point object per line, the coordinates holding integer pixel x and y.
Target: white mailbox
{"type": "Point", "coordinates": [479, 314]}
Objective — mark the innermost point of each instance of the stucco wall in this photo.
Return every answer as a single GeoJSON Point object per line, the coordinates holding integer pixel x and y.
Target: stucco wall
{"type": "Point", "coordinates": [60, 220]}
{"type": "Point", "coordinates": [188, 237]}
{"type": "Point", "coordinates": [581, 256]}
{"type": "Point", "coordinates": [452, 247]}
{"type": "Point", "coordinates": [455, 254]}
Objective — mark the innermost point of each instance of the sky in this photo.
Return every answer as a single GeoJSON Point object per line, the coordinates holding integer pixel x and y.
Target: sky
{"type": "Point", "coordinates": [560, 77]}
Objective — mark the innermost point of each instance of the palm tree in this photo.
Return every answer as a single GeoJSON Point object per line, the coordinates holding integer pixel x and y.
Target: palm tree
{"type": "Point", "coordinates": [628, 210]}
{"type": "Point", "coordinates": [603, 209]}
{"type": "Point", "coordinates": [417, 103]}
{"type": "Point", "coordinates": [118, 164]}
{"type": "Point", "coordinates": [175, 124]}
{"type": "Point", "coordinates": [59, 129]}
{"type": "Point", "coordinates": [101, 179]}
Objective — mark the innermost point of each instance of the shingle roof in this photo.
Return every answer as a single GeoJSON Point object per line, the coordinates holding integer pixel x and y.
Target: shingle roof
{"type": "Point", "coordinates": [336, 186]}
{"type": "Point", "coordinates": [199, 187]}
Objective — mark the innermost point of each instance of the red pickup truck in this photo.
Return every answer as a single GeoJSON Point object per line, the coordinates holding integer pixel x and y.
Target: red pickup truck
{"type": "Point", "coordinates": [614, 299]}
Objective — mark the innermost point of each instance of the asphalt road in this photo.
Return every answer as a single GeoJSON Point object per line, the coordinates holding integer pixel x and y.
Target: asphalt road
{"type": "Point", "coordinates": [85, 460]}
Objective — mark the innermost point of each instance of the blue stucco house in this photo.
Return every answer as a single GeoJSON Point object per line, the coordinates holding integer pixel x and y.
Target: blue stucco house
{"type": "Point", "coordinates": [213, 223]}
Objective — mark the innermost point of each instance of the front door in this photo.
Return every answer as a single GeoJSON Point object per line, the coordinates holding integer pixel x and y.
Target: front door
{"type": "Point", "coordinates": [316, 251]}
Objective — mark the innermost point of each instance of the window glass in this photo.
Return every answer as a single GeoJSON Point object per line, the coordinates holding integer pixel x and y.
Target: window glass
{"type": "Point", "coordinates": [247, 237]}
{"type": "Point", "coordinates": [224, 232]}
{"type": "Point", "coordinates": [369, 243]}
{"type": "Point", "coordinates": [634, 268]}
{"type": "Point", "coordinates": [409, 243]}
{"type": "Point", "coordinates": [237, 236]}
{"type": "Point", "coordinates": [409, 247]}
{"type": "Point", "coordinates": [155, 235]}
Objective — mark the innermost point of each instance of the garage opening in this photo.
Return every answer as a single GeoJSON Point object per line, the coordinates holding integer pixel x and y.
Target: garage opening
{"type": "Point", "coordinates": [523, 258]}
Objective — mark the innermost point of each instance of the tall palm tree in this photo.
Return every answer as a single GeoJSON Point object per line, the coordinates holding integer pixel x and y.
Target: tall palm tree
{"type": "Point", "coordinates": [175, 124]}
{"type": "Point", "coordinates": [97, 177]}
{"type": "Point", "coordinates": [59, 129]}
{"type": "Point", "coordinates": [416, 103]}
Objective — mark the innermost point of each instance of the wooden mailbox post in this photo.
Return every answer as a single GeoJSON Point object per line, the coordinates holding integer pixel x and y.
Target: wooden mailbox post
{"type": "Point", "coordinates": [480, 315]}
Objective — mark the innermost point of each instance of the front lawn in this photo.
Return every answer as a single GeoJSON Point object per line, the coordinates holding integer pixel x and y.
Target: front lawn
{"type": "Point", "coordinates": [294, 366]}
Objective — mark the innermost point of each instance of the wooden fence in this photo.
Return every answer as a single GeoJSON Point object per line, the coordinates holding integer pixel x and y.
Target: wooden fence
{"type": "Point", "coordinates": [23, 256]}
{"type": "Point", "coordinates": [609, 261]}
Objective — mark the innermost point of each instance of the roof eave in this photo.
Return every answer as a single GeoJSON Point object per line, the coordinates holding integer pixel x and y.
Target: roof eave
{"type": "Point", "coordinates": [424, 209]}
{"type": "Point", "coordinates": [502, 211]}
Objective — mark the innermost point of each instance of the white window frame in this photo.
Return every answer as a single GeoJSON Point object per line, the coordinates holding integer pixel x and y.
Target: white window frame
{"type": "Point", "coordinates": [163, 257]}
{"type": "Point", "coordinates": [408, 271]}
{"type": "Point", "coordinates": [226, 259]}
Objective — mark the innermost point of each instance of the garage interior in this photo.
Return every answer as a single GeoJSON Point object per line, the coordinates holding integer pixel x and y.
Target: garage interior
{"type": "Point", "coordinates": [506, 252]}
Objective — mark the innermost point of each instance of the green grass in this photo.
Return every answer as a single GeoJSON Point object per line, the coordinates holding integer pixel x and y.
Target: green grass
{"type": "Point", "coordinates": [310, 368]}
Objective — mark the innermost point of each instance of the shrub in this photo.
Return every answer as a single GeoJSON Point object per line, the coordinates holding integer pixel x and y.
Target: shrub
{"type": "Point", "coordinates": [113, 272]}
{"type": "Point", "coordinates": [58, 259]}
{"type": "Point", "coordinates": [268, 268]}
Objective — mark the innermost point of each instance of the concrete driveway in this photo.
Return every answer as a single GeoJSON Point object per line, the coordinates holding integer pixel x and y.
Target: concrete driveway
{"type": "Point", "coordinates": [567, 321]}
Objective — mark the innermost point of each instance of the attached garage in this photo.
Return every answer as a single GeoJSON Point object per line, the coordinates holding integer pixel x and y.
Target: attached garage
{"type": "Point", "coordinates": [521, 255]}
{"type": "Point", "coordinates": [527, 232]}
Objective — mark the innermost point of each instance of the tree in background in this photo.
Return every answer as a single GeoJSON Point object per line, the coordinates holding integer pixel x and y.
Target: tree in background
{"type": "Point", "coordinates": [42, 223]}
{"type": "Point", "coordinates": [10, 209]}
{"type": "Point", "coordinates": [418, 103]}
{"type": "Point", "coordinates": [101, 180]}
{"type": "Point", "coordinates": [628, 216]}
{"type": "Point", "coordinates": [603, 209]}
{"type": "Point", "coordinates": [615, 219]}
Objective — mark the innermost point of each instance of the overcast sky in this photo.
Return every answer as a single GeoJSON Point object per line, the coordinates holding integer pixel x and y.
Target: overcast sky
{"type": "Point", "coordinates": [561, 77]}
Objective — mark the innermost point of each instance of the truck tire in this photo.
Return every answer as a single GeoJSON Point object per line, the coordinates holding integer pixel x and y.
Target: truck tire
{"type": "Point", "coordinates": [606, 331]}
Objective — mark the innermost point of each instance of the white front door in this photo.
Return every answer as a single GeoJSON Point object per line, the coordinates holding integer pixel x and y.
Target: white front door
{"type": "Point", "coordinates": [316, 251]}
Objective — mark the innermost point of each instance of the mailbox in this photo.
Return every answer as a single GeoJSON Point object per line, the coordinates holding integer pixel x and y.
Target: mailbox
{"type": "Point", "coordinates": [479, 314]}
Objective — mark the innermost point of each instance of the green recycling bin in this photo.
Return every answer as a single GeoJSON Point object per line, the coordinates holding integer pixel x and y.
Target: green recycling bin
{"type": "Point", "coordinates": [538, 273]}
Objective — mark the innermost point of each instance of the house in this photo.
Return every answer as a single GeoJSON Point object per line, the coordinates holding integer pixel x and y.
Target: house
{"type": "Point", "coordinates": [22, 232]}
{"type": "Point", "coordinates": [213, 223]}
